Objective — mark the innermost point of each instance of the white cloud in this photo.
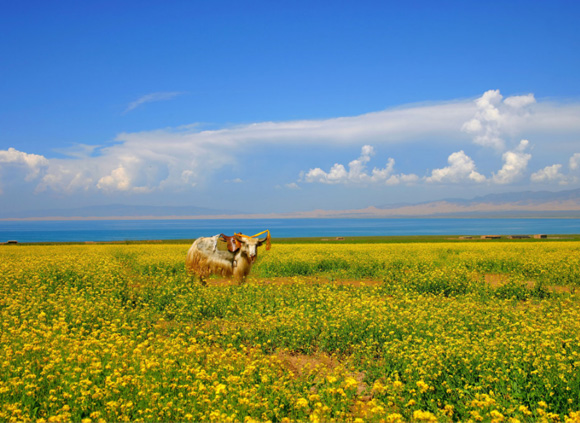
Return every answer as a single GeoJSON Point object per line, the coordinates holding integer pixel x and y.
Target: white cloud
{"type": "Point", "coordinates": [357, 167]}
{"type": "Point", "coordinates": [574, 162]}
{"type": "Point", "coordinates": [78, 150]}
{"type": "Point", "coordinates": [357, 172]}
{"type": "Point", "coordinates": [554, 174]}
{"type": "Point", "coordinates": [17, 166]}
{"type": "Point", "coordinates": [402, 179]}
{"type": "Point", "coordinates": [292, 185]}
{"type": "Point", "coordinates": [140, 162]}
{"type": "Point", "coordinates": [495, 117]}
{"type": "Point", "coordinates": [33, 164]}
{"type": "Point", "coordinates": [117, 180]}
{"type": "Point", "coordinates": [336, 175]}
{"type": "Point", "coordinates": [177, 158]}
{"type": "Point", "coordinates": [150, 98]}
{"type": "Point", "coordinates": [549, 174]}
{"type": "Point", "coordinates": [63, 178]}
{"type": "Point", "coordinates": [520, 101]}
{"type": "Point", "coordinates": [385, 173]}
{"type": "Point", "coordinates": [515, 164]}
{"type": "Point", "coordinates": [461, 169]}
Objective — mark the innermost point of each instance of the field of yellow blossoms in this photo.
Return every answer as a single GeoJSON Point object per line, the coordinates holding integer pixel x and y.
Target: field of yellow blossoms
{"type": "Point", "coordinates": [456, 331]}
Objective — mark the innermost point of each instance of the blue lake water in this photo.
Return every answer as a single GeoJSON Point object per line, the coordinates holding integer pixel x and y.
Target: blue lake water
{"type": "Point", "coordinates": [123, 230]}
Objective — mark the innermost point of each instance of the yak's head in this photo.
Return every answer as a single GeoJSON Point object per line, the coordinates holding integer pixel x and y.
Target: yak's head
{"type": "Point", "coordinates": [249, 246]}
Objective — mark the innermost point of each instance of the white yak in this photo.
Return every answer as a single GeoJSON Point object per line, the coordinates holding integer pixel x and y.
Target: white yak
{"type": "Point", "coordinates": [228, 256]}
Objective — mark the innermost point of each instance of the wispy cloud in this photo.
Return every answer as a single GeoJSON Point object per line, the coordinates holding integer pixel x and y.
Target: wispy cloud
{"type": "Point", "coordinates": [78, 150]}
{"type": "Point", "coordinates": [292, 185]}
{"type": "Point", "coordinates": [151, 98]}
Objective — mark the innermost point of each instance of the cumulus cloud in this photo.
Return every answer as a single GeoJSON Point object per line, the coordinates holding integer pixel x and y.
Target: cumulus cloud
{"type": "Point", "coordinates": [461, 169]}
{"type": "Point", "coordinates": [15, 164]}
{"type": "Point", "coordinates": [555, 173]}
{"type": "Point", "coordinates": [515, 163]}
{"type": "Point", "coordinates": [549, 174]}
{"type": "Point", "coordinates": [357, 172]}
{"type": "Point", "coordinates": [117, 180]}
{"type": "Point", "coordinates": [153, 97]}
{"type": "Point", "coordinates": [496, 116]}
{"type": "Point", "coordinates": [64, 178]}
{"type": "Point", "coordinates": [520, 101]}
{"type": "Point", "coordinates": [33, 164]}
{"type": "Point", "coordinates": [574, 162]}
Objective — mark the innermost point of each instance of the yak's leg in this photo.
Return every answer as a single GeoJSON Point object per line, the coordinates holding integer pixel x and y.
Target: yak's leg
{"type": "Point", "coordinates": [203, 281]}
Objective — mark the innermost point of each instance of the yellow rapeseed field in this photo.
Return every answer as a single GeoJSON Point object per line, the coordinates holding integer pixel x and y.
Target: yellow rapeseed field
{"type": "Point", "coordinates": [321, 332]}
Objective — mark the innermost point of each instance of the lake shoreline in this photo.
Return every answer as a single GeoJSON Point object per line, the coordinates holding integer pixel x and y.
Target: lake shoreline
{"type": "Point", "coordinates": [308, 230]}
{"type": "Point", "coordinates": [394, 239]}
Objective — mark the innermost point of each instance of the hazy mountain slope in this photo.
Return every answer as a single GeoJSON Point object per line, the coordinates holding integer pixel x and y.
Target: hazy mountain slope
{"type": "Point", "coordinates": [516, 204]}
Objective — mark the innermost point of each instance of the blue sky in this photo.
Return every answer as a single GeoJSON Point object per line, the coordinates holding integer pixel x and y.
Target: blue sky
{"type": "Point", "coordinates": [285, 106]}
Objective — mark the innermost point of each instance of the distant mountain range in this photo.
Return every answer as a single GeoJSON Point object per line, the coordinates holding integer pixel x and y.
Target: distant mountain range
{"type": "Point", "coordinates": [525, 197]}
{"type": "Point", "coordinates": [515, 204]}
{"type": "Point", "coordinates": [538, 203]}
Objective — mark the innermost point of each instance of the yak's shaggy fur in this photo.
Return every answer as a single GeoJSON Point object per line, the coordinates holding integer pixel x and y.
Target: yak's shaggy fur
{"type": "Point", "coordinates": [204, 258]}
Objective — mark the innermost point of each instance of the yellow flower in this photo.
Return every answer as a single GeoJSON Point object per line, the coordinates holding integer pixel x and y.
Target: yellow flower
{"type": "Point", "coordinates": [496, 416]}
{"type": "Point", "coordinates": [379, 388]}
{"type": "Point", "coordinates": [573, 417]}
{"type": "Point", "coordinates": [394, 418]}
{"type": "Point", "coordinates": [448, 410]}
{"type": "Point", "coordinates": [350, 382]}
{"type": "Point", "coordinates": [476, 416]}
{"type": "Point", "coordinates": [424, 416]}
{"type": "Point", "coordinates": [423, 387]}
{"type": "Point", "coordinates": [302, 402]}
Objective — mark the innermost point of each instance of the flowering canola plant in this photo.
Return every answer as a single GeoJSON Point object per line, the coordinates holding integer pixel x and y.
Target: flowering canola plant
{"type": "Point", "coordinates": [321, 332]}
